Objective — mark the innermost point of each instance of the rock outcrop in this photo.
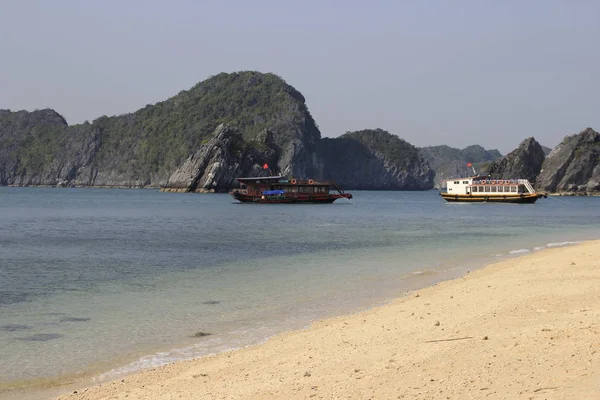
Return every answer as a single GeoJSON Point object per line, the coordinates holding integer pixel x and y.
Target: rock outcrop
{"type": "Point", "coordinates": [375, 160]}
{"type": "Point", "coordinates": [525, 162]}
{"type": "Point", "coordinates": [449, 162]}
{"type": "Point", "coordinates": [573, 166]}
{"type": "Point", "coordinates": [216, 164]}
{"type": "Point", "coordinates": [38, 148]}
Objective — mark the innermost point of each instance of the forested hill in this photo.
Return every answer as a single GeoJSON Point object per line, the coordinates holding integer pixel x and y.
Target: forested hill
{"type": "Point", "coordinates": [143, 148]}
{"type": "Point", "coordinates": [375, 159]}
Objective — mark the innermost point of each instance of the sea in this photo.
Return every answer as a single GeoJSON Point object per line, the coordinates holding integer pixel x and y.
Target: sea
{"type": "Point", "coordinates": [98, 283]}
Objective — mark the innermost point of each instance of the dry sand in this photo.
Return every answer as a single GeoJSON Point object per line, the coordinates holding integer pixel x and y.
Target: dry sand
{"type": "Point", "coordinates": [524, 328]}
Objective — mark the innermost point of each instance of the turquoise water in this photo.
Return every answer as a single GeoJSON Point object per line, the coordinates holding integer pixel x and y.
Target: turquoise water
{"type": "Point", "coordinates": [95, 283]}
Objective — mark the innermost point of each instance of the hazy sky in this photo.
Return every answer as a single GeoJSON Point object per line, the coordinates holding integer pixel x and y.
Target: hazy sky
{"type": "Point", "coordinates": [455, 72]}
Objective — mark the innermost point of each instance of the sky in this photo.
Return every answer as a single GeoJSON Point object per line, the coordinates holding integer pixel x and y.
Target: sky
{"type": "Point", "coordinates": [454, 72]}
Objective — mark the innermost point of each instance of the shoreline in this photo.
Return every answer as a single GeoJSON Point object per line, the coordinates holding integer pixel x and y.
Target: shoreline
{"type": "Point", "coordinates": [353, 348]}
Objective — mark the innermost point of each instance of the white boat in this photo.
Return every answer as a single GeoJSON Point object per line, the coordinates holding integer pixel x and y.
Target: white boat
{"type": "Point", "coordinates": [479, 189]}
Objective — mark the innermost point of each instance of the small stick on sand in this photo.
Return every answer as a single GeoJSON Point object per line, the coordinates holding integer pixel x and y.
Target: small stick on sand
{"type": "Point", "coordinates": [449, 340]}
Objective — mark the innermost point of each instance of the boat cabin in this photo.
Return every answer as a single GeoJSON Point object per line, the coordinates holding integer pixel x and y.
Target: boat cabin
{"type": "Point", "coordinates": [280, 185]}
{"type": "Point", "coordinates": [279, 189]}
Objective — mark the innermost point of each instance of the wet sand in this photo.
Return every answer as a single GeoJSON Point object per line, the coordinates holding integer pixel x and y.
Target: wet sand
{"type": "Point", "coordinates": [524, 328]}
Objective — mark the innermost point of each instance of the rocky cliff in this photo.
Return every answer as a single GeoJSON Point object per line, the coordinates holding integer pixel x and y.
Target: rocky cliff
{"type": "Point", "coordinates": [216, 164]}
{"type": "Point", "coordinates": [39, 148]}
{"type": "Point", "coordinates": [449, 162]}
{"type": "Point", "coordinates": [573, 166]}
{"type": "Point", "coordinates": [145, 147]}
{"type": "Point", "coordinates": [375, 159]}
{"type": "Point", "coordinates": [525, 162]}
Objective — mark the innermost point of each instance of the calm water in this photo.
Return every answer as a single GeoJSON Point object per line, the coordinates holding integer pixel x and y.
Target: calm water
{"type": "Point", "coordinates": [96, 282]}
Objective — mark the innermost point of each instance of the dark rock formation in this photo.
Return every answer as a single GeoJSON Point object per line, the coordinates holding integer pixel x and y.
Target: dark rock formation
{"type": "Point", "coordinates": [449, 162]}
{"type": "Point", "coordinates": [375, 160]}
{"type": "Point", "coordinates": [38, 148]}
{"type": "Point", "coordinates": [547, 150]}
{"type": "Point", "coordinates": [573, 166]}
{"type": "Point", "coordinates": [216, 164]}
{"type": "Point", "coordinates": [525, 162]}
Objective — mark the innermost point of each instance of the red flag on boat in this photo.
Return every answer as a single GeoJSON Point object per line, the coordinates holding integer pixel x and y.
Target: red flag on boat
{"type": "Point", "coordinates": [469, 165]}
{"type": "Point", "coordinates": [265, 166]}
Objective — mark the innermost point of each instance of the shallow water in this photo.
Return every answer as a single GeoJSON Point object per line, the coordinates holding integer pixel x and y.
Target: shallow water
{"type": "Point", "coordinates": [100, 282]}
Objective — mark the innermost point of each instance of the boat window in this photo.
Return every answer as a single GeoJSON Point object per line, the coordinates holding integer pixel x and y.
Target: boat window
{"type": "Point", "coordinates": [494, 189]}
{"type": "Point", "coordinates": [501, 188]}
{"type": "Point", "coordinates": [456, 182]}
{"type": "Point", "coordinates": [487, 189]}
{"type": "Point", "coordinates": [474, 189]}
{"type": "Point", "coordinates": [513, 189]}
{"type": "Point", "coordinates": [466, 182]}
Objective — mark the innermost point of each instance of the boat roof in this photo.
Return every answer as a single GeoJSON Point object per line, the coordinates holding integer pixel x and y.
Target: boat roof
{"type": "Point", "coordinates": [262, 178]}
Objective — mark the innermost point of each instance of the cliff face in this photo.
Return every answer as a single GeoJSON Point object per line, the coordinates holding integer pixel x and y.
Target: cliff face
{"type": "Point", "coordinates": [573, 166]}
{"type": "Point", "coordinates": [449, 162]}
{"type": "Point", "coordinates": [525, 162]}
{"type": "Point", "coordinates": [216, 164]}
{"type": "Point", "coordinates": [38, 148]}
{"type": "Point", "coordinates": [375, 160]}
{"type": "Point", "coordinates": [145, 147]}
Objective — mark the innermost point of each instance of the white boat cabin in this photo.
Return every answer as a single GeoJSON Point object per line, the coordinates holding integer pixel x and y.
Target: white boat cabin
{"type": "Point", "coordinates": [488, 187]}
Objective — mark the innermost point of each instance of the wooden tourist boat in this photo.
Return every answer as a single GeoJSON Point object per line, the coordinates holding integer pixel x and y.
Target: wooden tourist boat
{"type": "Point", "coordinates": [278, 189]}
{"type": "Point", "coordinates": [478, 189]}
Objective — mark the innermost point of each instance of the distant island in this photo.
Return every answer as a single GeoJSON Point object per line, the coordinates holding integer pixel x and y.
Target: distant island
{"type": "Point", "coordinates": [230, 125]}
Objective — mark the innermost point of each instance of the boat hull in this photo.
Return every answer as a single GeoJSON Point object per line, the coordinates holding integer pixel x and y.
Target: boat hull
{"type": "Point", "coordinates": [314, 199]}
{"type": "Point", "coordinates": [474, 198]}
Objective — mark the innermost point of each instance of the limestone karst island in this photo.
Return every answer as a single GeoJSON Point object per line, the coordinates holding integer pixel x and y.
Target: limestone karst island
{"type": "Point", "coordinates": [229, 125]}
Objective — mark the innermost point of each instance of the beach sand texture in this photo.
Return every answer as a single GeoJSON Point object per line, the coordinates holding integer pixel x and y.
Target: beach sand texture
{"type": "Point", "coordinates": [524, 328]}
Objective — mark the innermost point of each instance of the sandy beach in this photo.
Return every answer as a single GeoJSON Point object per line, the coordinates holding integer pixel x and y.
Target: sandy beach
{"type": "Point", "coordinates": [523, 328]}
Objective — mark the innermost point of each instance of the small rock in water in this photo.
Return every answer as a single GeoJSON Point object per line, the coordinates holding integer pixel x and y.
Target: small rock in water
{"type": "Point", "coordinates": [201, 334]}
{"type": "Point", "coordinates": [437, 323]}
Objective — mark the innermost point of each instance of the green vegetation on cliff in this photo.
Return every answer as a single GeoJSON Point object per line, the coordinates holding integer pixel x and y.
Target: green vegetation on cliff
{"type": "Point", "coordinates": [165, 133]}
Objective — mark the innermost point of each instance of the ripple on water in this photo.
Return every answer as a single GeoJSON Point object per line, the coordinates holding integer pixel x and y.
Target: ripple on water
{"type": "Point", "coordinates": [14, 327]}
{"type": "Point", "coordinates": [41, 337]}
{"type": "Point", "coordinates": [74, 319]}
